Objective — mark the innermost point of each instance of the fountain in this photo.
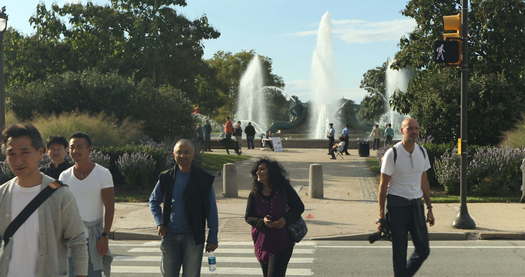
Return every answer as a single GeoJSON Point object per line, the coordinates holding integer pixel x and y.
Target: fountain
{"type": "Point", "coordinates": [251, 104]}
{"type": "Point", "coordinates": [395, 80]}
{"type": "Point", "coordinates": [324, 102]}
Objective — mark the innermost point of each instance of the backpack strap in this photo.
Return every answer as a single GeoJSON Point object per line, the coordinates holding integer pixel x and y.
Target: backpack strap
{"type": "Point", "coordinates": [420, 148]}
{"type": "Point", "coordinates": [29, 209]}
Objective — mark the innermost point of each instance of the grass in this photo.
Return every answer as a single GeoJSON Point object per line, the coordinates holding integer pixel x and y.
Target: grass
{"type": "Point", "coordinates": [440, 196]}
{"type": "Point", "coordinates": [210, 162]}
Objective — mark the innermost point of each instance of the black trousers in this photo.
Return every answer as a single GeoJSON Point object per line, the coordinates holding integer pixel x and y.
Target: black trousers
{"type": "Point", "coordinates": [277, 263]}
{"type": "Point", "coordinates": [406, 216]}
{"type": "Point", "coordinates": [375, 146]}
{"type": "Point", "coordinates": [331, 141]}
{"type": "Point", "coordinates": [345, 148]}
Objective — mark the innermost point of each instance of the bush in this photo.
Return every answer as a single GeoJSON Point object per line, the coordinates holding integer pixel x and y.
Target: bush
{"type": "Point", "coordinates": [491, 171]}
{"type": "Point", "coordinates": [138, 169]}
{"type": "Point", "coordinates": [101, 158]}
{"type": "Point", "coordinates": [164, 111]}
{"type": "Point", "coordinates": [5, 173]}
{"type": "Point", "coordinates": [159, 155]}
{"type": "Point", "coordinates": [516, 137]}
{"type": "Point", "coordinates": [104, 130]}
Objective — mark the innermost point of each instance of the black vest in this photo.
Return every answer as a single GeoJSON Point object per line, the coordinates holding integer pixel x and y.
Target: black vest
{"type": "Point", "coordinates": [196, 199]}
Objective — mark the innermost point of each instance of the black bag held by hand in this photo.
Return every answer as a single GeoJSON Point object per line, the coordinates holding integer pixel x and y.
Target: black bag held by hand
{"type": "Point", "coordinates": [298, 230]}
{"type": "Point", "coordinates": [384, 232]}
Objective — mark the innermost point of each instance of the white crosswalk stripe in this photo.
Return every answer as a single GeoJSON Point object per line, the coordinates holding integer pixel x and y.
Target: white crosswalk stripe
{"type": "Point", "coordinates": [233, 259]}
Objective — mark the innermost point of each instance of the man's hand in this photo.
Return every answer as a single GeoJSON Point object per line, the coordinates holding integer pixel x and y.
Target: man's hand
{"type": "Point", "coordinates": [162, 230]}
{"type": "Point", "coordinates": [102, 246]}
{"type": "Point", "coordinates": [210, 247]}
{"type": "Point", "coordinates": [430, 218]}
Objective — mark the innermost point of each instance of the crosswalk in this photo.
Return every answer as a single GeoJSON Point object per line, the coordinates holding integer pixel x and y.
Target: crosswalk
{"type": "Point", "coordinates": [233, 259]}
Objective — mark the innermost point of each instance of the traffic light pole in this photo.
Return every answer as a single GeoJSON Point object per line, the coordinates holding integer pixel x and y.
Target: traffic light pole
{"type": "Point", "coordinates": [463, 219]}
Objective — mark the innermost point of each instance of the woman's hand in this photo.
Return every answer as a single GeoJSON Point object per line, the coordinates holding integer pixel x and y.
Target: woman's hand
{"type": "Point", "coordinates": [267, 221]}
{"type": "Point", "coordinates": [280, 223]}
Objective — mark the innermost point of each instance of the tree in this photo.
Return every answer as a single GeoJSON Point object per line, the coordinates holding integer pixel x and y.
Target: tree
{"type": "Point", "coordinates": [373, 105]}
{"type": "Point", "coordinates": [496, 101]}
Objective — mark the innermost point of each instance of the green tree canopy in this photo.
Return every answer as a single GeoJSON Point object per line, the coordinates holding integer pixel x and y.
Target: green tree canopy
{"type": "Point", "coordinates": [373, 104]}
{"type": "Point", "coordinates": [496, 100]}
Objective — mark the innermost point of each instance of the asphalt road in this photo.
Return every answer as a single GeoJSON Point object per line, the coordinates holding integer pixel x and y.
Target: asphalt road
{"type": "Point", "coordinates": [339, 258]}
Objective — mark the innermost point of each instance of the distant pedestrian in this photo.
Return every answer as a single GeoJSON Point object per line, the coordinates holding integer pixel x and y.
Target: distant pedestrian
{"type": "Point", "coordinates": [92, 186]}
{"type": "Point", "coordinates": [207, 136]}
{"type": "Point", "coordinates": [376, 136]}
{"type": "Point", "coordinates": [228, 128]}
{"type": "Point", "coordinates": [250, 135]}
{"type": "Point", "coordinates": [330, 134]}
{"type": "Point", "coordinates": [272, 205]}
{"type": "Point", "coordinates": [39, 246]}
{"type": "Point", "coordinates": [345, 133]}
{"type": "Point", "coordinates": [188, 208]}
{"type": "Point", "coordinates": [403, 183]}
{"type": "Point", "coordinates": [237, 132]}
{"type": "Point", "coordinates": [57, 152]}
{"type": "Point", "coordinates": [199, 138]}
{"type": "Point", "coordinates": [389, 135]}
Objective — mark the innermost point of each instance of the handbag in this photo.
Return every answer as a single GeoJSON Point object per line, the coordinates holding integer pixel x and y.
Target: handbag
{"type": "Point", "coordinates": [298, 230]}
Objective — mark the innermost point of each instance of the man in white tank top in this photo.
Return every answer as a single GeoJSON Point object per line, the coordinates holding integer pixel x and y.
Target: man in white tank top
{"type": "Point", "coordinates": [403, 183]}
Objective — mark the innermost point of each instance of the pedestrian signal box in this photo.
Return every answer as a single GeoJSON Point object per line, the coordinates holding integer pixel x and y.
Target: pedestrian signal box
{"type": "Point", "coordinates": [452, 26]}
{"type": "Point", "coordinates": [449, 51]}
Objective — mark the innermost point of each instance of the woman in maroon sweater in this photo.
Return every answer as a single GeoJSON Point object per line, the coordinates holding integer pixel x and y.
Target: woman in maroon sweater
{"type": "Point", "coordinates": [272, 205]}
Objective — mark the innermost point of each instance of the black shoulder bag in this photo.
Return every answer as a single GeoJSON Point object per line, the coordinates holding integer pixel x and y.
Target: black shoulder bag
{"type": "Point", "coordinates": [28, 210]}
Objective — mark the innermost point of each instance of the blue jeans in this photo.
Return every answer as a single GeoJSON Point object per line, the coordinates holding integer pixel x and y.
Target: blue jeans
{"type": "Point", "coordinates": [180, 250]}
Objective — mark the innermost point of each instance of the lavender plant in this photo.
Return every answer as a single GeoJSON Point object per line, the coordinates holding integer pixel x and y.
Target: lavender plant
{"type": "Point", "coordinates": [137, 168]}
{"type": "Point", "coordinates": [101, 158]}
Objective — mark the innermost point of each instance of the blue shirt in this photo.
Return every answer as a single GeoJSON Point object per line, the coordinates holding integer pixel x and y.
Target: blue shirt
{"type": "Point", "coordinates": [345, 132]}
{"type": "Point", "coordinates": [178, 221]}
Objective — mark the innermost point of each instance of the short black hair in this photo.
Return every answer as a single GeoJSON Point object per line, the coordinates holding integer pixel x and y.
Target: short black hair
{"type": "Point", "coordinates": [57, 140]}
{"type": "Point", "coordinates": [83, 136]}
{"type": "Point", "coordinates": [23, 130]}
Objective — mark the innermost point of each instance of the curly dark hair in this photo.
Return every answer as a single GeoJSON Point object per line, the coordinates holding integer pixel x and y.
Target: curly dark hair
{"type": "Point", "coordinates": [276, 173]}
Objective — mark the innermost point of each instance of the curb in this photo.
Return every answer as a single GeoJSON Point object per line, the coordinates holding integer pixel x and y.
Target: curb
{"type": "Point", "coordinates": [436, 236]}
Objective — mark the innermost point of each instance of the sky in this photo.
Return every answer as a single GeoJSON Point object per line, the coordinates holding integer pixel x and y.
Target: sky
{"type": "Point", "coordinates": [364, 34]}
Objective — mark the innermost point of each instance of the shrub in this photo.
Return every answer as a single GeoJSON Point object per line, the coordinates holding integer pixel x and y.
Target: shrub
{"type": "Point", "coordinates": [491, 171]}
{"type": "Point", "coordinates": [516, 137]}
{"type": "Point", "coordinates": [138, 169]}
{"type": "Point", "coordinates": [104, 130]}
{"type": "Point", "coordinates": [101, 158]}
{"type": "Point", "coordinates": [159, 155]}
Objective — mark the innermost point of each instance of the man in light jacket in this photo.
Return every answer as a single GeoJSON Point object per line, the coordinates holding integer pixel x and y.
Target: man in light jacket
{"type": "Point", "coordinates": [39, 247]}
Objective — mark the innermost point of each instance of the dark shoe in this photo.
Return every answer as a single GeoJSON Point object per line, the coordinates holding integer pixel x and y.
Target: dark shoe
{"type": "Point", "coordinates": [332, 158]}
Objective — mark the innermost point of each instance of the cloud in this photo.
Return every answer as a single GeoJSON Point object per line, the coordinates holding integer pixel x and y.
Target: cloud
{"type": "Point", "coordinates": [362, 31]}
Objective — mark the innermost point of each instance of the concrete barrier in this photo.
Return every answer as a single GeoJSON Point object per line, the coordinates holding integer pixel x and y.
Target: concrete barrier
{"type": "Point", "coordinates": [229, 180]}
{"type": "Point", "coordinates": [316, 181]}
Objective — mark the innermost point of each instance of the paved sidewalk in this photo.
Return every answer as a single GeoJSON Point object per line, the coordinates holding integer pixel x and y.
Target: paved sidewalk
{"type": "Point", "coordinates": [348, 210]}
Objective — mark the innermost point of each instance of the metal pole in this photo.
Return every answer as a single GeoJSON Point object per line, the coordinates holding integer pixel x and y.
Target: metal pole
{"type": "Point", "coordinates": [2, 84]}
{"type": "Point", "coordinates": [463, 219]}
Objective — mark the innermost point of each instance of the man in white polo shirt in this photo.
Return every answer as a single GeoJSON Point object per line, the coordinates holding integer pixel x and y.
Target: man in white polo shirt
{"type": "Point", "coordinates": [403, 183]}
{"type": "Point", "coordinates": [92, 186]}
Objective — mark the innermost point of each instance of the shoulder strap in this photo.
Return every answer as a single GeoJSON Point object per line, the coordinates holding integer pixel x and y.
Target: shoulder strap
{"type": "Point", "coordinates": [422, 150]}
{"type": "Point", "coordinates": [29, 209]}
{"type": "Point", "coordinates": [395, 153]}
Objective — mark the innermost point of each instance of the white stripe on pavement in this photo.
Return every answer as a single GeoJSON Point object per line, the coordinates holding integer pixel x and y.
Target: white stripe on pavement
{"type": "Point", "coordinates": [431, 247]}
{"type": "Point", "coordinates": [220, 270]}
{"type": "Point", "coordinates": [221, 250]}
{"type": "Point", "coordinates": [233, 243]}
{"type": "Point", "coordinates": [220, 259]}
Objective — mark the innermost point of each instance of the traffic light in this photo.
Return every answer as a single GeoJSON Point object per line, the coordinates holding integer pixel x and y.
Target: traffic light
{"type": "Point", "coordinates": [450, 49]}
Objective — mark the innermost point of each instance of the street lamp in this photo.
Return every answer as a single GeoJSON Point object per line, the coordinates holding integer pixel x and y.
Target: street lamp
{"type": "Point", "coordinates": [3, 27]}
